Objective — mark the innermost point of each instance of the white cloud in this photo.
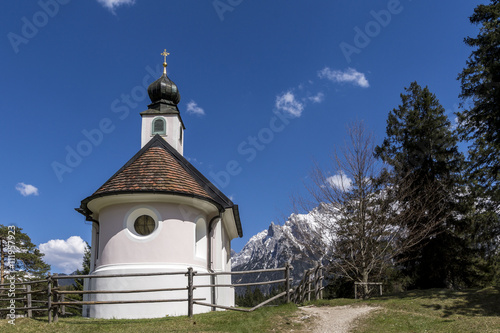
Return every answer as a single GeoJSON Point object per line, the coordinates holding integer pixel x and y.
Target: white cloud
{"type": "Point", "coordinates": [193, 108]}
{"type": "Point", "coordinates": [452, 115]}
{"type": "Point", "coordinates": [350, 75]}
{"type": "Point", "coordinates": [287, 102]}
{"type": "Point", "coordinates": [318, 98]}
{"type": "Point", "coordinates": [26, 189]}
{"type": "Point", "coordinates": [340, 181]}
{"type": "Point", "coordinates": [113, 4]}
{"type": "Point", "coordinates": [193, 160]}
{"type": "Point", "coordinates": [65, 256]}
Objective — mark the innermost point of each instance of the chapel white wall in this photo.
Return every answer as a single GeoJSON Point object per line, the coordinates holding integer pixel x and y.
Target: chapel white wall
{"type": "Point", "coordinates": [172, 247]}
{"type": "Point", "coordinates": [173, 130]}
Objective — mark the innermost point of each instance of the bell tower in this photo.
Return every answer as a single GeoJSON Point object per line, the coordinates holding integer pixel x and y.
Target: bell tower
{"type": "Point", "coordinates": [162, 116]}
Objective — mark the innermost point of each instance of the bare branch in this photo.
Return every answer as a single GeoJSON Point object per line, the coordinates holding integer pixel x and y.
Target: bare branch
{"type": "Point", "coordinates": [365, 219]}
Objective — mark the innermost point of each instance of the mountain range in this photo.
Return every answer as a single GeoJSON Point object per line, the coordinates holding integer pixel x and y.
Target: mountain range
{"type": "Point", "coordinates": [273, 247]}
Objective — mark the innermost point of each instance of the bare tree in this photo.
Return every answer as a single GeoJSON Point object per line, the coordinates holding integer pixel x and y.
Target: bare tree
{"type": "Point", "coordinates": [364, 220]}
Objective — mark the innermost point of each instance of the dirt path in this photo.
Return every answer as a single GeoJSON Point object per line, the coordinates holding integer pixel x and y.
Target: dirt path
{"type": "Point", "coordinates": [338, 319]}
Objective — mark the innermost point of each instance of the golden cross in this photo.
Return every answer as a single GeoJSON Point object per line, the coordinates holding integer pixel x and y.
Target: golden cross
{"type": "Point", "coordinates": [165, 54]}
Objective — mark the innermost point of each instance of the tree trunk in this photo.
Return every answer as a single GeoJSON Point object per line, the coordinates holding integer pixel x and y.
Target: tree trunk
{"type": "Point", "coordinates": [1, 261]}
{"type": "Point", "coordinates": [365, 284]}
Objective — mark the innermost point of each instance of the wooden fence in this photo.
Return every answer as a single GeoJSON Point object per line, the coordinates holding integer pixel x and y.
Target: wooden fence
{"type": "Point", "coordinates": [23, 291]}
{"type": "Point", "coordinates": [311, 286]}
{"type": "Point", "coordinates": [361, 291]}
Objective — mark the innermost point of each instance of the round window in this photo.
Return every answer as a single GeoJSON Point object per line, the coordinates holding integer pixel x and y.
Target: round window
{"type": "Point", "coordinates": [144, 225]}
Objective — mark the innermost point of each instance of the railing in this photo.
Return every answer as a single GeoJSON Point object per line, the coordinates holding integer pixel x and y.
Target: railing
{"type": "Point", "coordinates": [311, 284]}
{"type": "Point", "coordinates": [57, 299]}
{"type": "Point", "coordinates": [22, 292]}
{"type": "Point", "coordinates": [362, 291]}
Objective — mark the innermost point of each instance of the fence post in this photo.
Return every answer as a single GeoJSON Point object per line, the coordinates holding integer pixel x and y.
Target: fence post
{"type": "Point", "coordinates": [28, 301]}
{"type": "Point", "coordinates": [63, 307]}
{"type": "Point", "coordinates": [321, 271]}
{"type": "Point", "coordinates": [355, 290]}
{"type": "Point", "coordinates": [49, 300]}
{"type": "Point", "coordinates": [56, 299]}
{"type": "Point", "coordinates": [212, 290]}
{"type": "Point", "coordinates": [287, 281]}
{"type": "Point", "coordinates": [190, 292]}
{"type": "Point", "coordinates": [316, 281]}
{"type": "Point", "coordinates": [25, 297]}
{"type": "Point", "coordinates": [309, 286]}
{"type": "Point", "coordinates": [304, 286]}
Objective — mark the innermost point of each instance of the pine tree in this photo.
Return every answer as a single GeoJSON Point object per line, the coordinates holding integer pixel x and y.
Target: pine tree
{"type": "Point", "coordinates": [420, 144]}
{"type": "Point", "coordinates": [258, 296]}
{"type": "Point", "coordinates": [480, 120]}
{"type": "Point", "coordinates": [78, 285]}
{"type": "Point", "coordinates": [19, 254]}
{"type": "Point", "coordinates": [247, 299]}
{"type": "Point", "coordinates": [479, 124]}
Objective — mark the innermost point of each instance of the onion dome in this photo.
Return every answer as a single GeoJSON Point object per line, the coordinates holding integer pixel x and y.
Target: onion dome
{"type": "Point", "coordinates": [164, 90]}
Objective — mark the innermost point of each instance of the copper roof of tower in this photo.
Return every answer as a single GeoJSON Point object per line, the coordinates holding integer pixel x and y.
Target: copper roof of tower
{"type": "Point", "coordinates": [163, 92]}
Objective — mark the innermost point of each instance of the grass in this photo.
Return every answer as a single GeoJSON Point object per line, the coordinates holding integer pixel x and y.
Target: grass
{"type": "Point", "coordinates": [432, 310]}
{"type": "Point", "coordinates": [282, 318]}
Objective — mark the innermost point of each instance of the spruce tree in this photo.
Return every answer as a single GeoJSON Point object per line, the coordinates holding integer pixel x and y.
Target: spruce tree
{"type": "Point", "coordinates": [78, 285]}
{"type": "Point", "coordinates": [421, 146]}
{"type": "Point", "coordinates": [479, 124]}
{"type": "Point", "coordinates": [480, 119]}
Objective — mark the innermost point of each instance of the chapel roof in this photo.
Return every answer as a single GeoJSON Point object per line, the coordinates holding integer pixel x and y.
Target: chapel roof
{"type": "Point", "coordinates": [159, 168]}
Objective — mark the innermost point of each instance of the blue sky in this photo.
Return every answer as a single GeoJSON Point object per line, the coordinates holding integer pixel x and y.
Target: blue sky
{"type": "Point", "coordinates": [71, 68]}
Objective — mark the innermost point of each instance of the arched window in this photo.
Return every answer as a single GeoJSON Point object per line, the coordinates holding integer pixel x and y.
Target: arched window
{"type": "Point", "coordinates": [201, 238]}
{"type": "Point", "coordinates": [159, 126]}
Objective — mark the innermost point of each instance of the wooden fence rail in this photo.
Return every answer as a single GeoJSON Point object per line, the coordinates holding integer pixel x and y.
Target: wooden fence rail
{"type": "Point", "coordinates": [311, 284]}
{"type": "Point", "coordinates": [356, 284]}
{"type": "Point", "coordinates": [57, 300]}
{"type": "Point", "coordinates": [10, 291]}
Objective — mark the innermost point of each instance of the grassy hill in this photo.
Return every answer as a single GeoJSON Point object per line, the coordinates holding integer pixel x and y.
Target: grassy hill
{"type": "Point", "coordinates": [434, 310]}
{"type": "Point", "coordinates": [415, 311]}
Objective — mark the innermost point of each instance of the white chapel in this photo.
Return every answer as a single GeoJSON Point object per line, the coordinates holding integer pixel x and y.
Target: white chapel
{"type": "Point", "coordinates": [156, 214]}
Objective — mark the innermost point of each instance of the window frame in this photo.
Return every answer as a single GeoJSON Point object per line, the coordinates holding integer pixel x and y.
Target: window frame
{"type": "Point", "coordinates": [200, 237]}
{"type": "Point", "coordinates": [164, 131]}
{"type": "Point", "coordinates": [142, 224]}
{"type": "Point", "coordinates": [133, 214]}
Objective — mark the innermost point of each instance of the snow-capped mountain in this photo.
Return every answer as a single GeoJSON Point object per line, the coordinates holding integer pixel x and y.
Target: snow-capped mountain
{"type": "Point", "coordinates": [273, 247]}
